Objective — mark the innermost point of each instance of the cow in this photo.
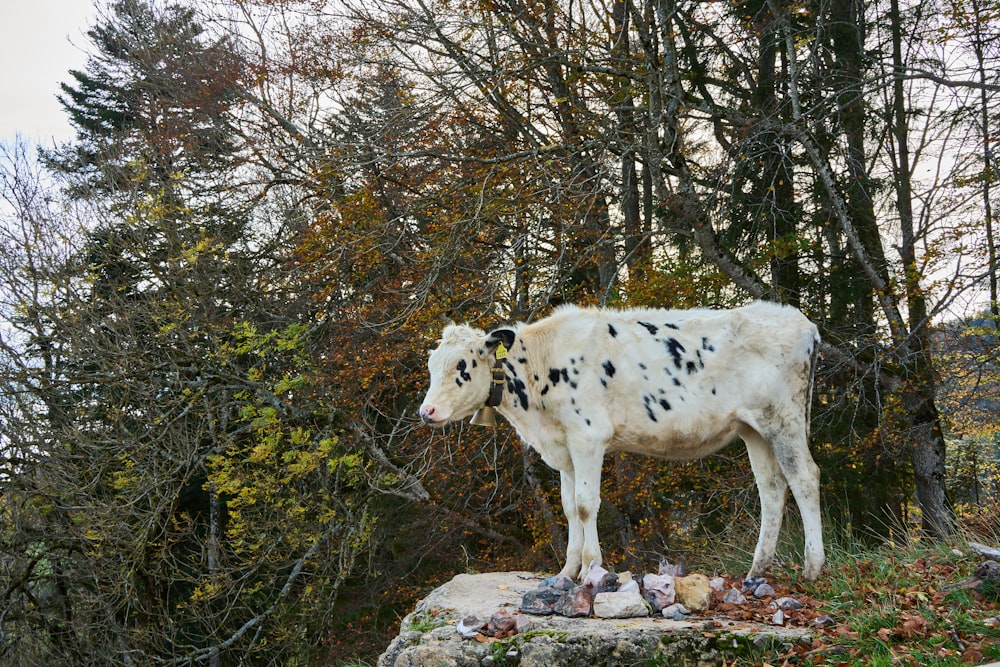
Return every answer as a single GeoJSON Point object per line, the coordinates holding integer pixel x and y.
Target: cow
{"type": "Point", "coordinates": [675, 384]}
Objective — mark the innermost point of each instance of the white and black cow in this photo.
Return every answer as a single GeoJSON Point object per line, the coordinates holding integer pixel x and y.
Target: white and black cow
{"type": "Point", "coordinates": [678, 384]}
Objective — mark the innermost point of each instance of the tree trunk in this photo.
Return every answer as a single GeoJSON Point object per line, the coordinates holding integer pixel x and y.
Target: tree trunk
{"type": "Point", "coordinates": [917, 360]}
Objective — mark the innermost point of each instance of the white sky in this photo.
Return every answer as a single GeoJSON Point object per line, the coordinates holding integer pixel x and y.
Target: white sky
{"type": "Point", "coordinates": [40, 41]}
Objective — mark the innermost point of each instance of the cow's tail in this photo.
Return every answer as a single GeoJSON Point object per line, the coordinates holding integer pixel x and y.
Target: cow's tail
{"type": "Point", "coordinates": [813, 357]}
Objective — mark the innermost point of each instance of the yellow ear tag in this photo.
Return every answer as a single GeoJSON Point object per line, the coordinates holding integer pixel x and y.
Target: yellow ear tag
{"type": "Point", "coordinates": [501, 352]}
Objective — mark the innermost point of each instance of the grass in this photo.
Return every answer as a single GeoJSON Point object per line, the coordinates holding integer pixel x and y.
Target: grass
{"type": "Point", "coordinates": [893, 605]}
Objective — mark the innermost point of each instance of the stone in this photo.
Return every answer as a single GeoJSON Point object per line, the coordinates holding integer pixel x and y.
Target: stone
{"type": "Point", "coordinates": [786, 604]}
{"type": "Point", "coordinates": [615, 604]}
{"type": "Point", "coordinates": [750, 583]}
{"type": "Point", "coordinates": [763, 591]}
{"type": "Point", "coordinates": [630, 585]}
{"type": "Point", "coordinates": [778, 618]}
{"type": "Point", "coordinates": [733, 596]}
{"type": "Point", "coordinates": [501, 622]}
{"type": "Point", "coordinates": [694, 592]}
{"type": "Point", "coordinates": [676, 612]}
{"type": "Point", "coordinates": [717, 583]}
{"type": "Point", "coordinates": [666, 569]}
{"type": "Point", "coordinates": [985, 551]}
{"type": "Point", "coordinates": [575, 603]}
{"type": "Point", "coordinates": [658, 590]}
{"type": "Point", "coordinates": [469, 626]}
{"type": "Point", "coordinates": [541, 601]}
{"type": "Point", "coordinates": [599, 579]}
{"type": "Point", "coordinates": [559, 582]}
{"type": "Point", "coordinates": [556, 641]}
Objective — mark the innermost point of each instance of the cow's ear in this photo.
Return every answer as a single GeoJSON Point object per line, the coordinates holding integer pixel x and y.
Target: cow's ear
{"type": "Point", "coordinates": [505, 336]}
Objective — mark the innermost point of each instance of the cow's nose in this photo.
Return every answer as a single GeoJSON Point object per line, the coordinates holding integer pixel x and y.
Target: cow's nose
{"type": "Point", "coordinates": [428, 413]}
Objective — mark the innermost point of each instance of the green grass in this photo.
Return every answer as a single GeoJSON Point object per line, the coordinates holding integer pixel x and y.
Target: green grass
{"type": "Point", "coordinates": [892, 605]}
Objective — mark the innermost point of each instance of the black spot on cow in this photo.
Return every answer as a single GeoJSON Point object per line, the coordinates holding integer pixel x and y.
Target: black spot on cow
{"type": "Point", "coordinates": [604, 383]}
{"type": "Point", "coordinates": [554, 376]}
{"type": "Point", "coordinates": [651, 328]}
{"type": "Point", "coordinates": [705, 345]}
{"type": "Point", "coordinates": [565, 376]}
{"type": "Point", "coordinates": [474, 364]}
{"type": "Point", "coordinates": [572, 400]}
{"type": "Point", "coordinates": [642, 366]}
{"type": "Point", "coordinates": [510, 367]}
{"type": "Point", "coordinates": [671, 325]}
{"type": "Point", "coordinates": [521, 360]}
{"type": "Point", "coordinates": [572, 360]}
{"type": "Point", "coordinates": [612, 331]}
{"type": "Point", "coordinates": [677, 383]}
{"type": "Point", "coordinates": [458, 382]}
{"type": "Point", "coordinates": [587, 421]}
{"type": "Point", "coordinates": [544, 390]}
{"type": "Point", "coordinates": [650, 413]}
{"type": "Point", "coordinates": [713, 391]}
{"type": "Point", "coordinates": [675, 348]}
{"type": "Point", "coordinates": [573, 385]}
{"type": "Point", "coordinates": [516, 387]}
{"type": "Point", "coordinates": [664, 404]}
{"type": "Point", "coordinates": [576, 371]}
{"type": "Point", "coordinates": [701, 362]}
{"type": "Point", "coordinates": [535, 376]}
{"type": "Point", "coordinates": [692, 367]}
{"type": "Point", "coordinates": [461, 368]}
{"type": "Point", "coordinates": [609, 369]}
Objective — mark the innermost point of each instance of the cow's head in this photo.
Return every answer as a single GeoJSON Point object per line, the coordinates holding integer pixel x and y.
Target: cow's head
{"type": "Point", "coordinates": [461, 375]}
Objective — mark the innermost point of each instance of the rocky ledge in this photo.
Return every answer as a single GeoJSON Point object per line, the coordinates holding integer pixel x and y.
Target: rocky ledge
{"type": "Point", "coordinates": [438, 634]}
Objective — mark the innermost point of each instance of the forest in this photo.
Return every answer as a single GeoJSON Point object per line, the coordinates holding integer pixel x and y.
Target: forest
{"type": "Point", "coordinates": [217, 301]}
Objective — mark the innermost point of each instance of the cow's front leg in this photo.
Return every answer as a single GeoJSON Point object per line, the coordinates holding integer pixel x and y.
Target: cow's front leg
{"type": "Point", "coordinates": [574, 544]}
{"type": "Point", "coordinates": [587, 470]}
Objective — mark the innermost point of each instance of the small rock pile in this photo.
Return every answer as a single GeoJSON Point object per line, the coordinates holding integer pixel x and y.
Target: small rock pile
{"type": "Point", "coordinates": [670, 592]}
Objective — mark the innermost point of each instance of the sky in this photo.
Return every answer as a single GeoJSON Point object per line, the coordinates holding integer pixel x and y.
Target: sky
{"type": "Point", "coordinates": [40, 41]}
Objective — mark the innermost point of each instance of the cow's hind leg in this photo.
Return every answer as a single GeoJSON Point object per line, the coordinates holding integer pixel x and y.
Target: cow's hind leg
{"type": "Point", "coordinates": [802, 473]}
{"type": "Point", "coordinates": [574, 543]}
{"type": "Point", "coordinates": [772, 488]}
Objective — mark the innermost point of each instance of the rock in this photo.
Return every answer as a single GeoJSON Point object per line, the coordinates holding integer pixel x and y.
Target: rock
{"type": "Point", "coordinates": [599, 579]}
{"type": "Point", "coordinates": [522, 623]}
{"type": "Point", "coordinates": [823, 621]}
{"type": "Point", "coordinates": [778, 618]}
{"type": "Point", "coordinates": [541, 601]}
{"type": "Point", "coordinates": [630, 585]}
{"type": "Point", "coordinates": [615, 604]}
{"type": "Point", "coordinates": [666, 569]}
{"type": "Point", "coordinates": [501, 622]}
{"type": "Point", "coordinates": [984, 578]}
{"type": "Point", "coordinates": [694, 592]}
{"type": "Point", "coordinates": [786, 604]}
{"type": "Point", "coordinates": [565, 642]}
{"type": "Point", "coordinates": [559, 582]}
{"type": "Point", "coordinates": [750, 583]}
{"type": "Point", "coordinates": [717, 583]}
{"type": "Point", "coordinates": [733, 596]}
{"type": "Point", "coordinates": [575, 603]}
{"type": "Point", "coordinates": [658, 590]}
{"type": "Point", "coordinates": [763, 591]}
{"type": "Point", "coordinates": [985, 551]}
{"type": "Point", "coordinates": [676, 612]}
{"type": "Point", "coordinates": [469, 626]}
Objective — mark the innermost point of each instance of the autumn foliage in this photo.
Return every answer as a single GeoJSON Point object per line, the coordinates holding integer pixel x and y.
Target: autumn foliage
{"type": "Point", "coordinates": [219, 297]}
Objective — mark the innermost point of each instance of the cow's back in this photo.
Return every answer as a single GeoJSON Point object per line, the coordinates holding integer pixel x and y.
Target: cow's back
{"type": "Point", "coordinates": [671, 383]}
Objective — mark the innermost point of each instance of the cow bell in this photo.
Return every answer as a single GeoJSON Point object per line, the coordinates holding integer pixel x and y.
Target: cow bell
{"type": "Point", "coordinates": [484, 416]}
